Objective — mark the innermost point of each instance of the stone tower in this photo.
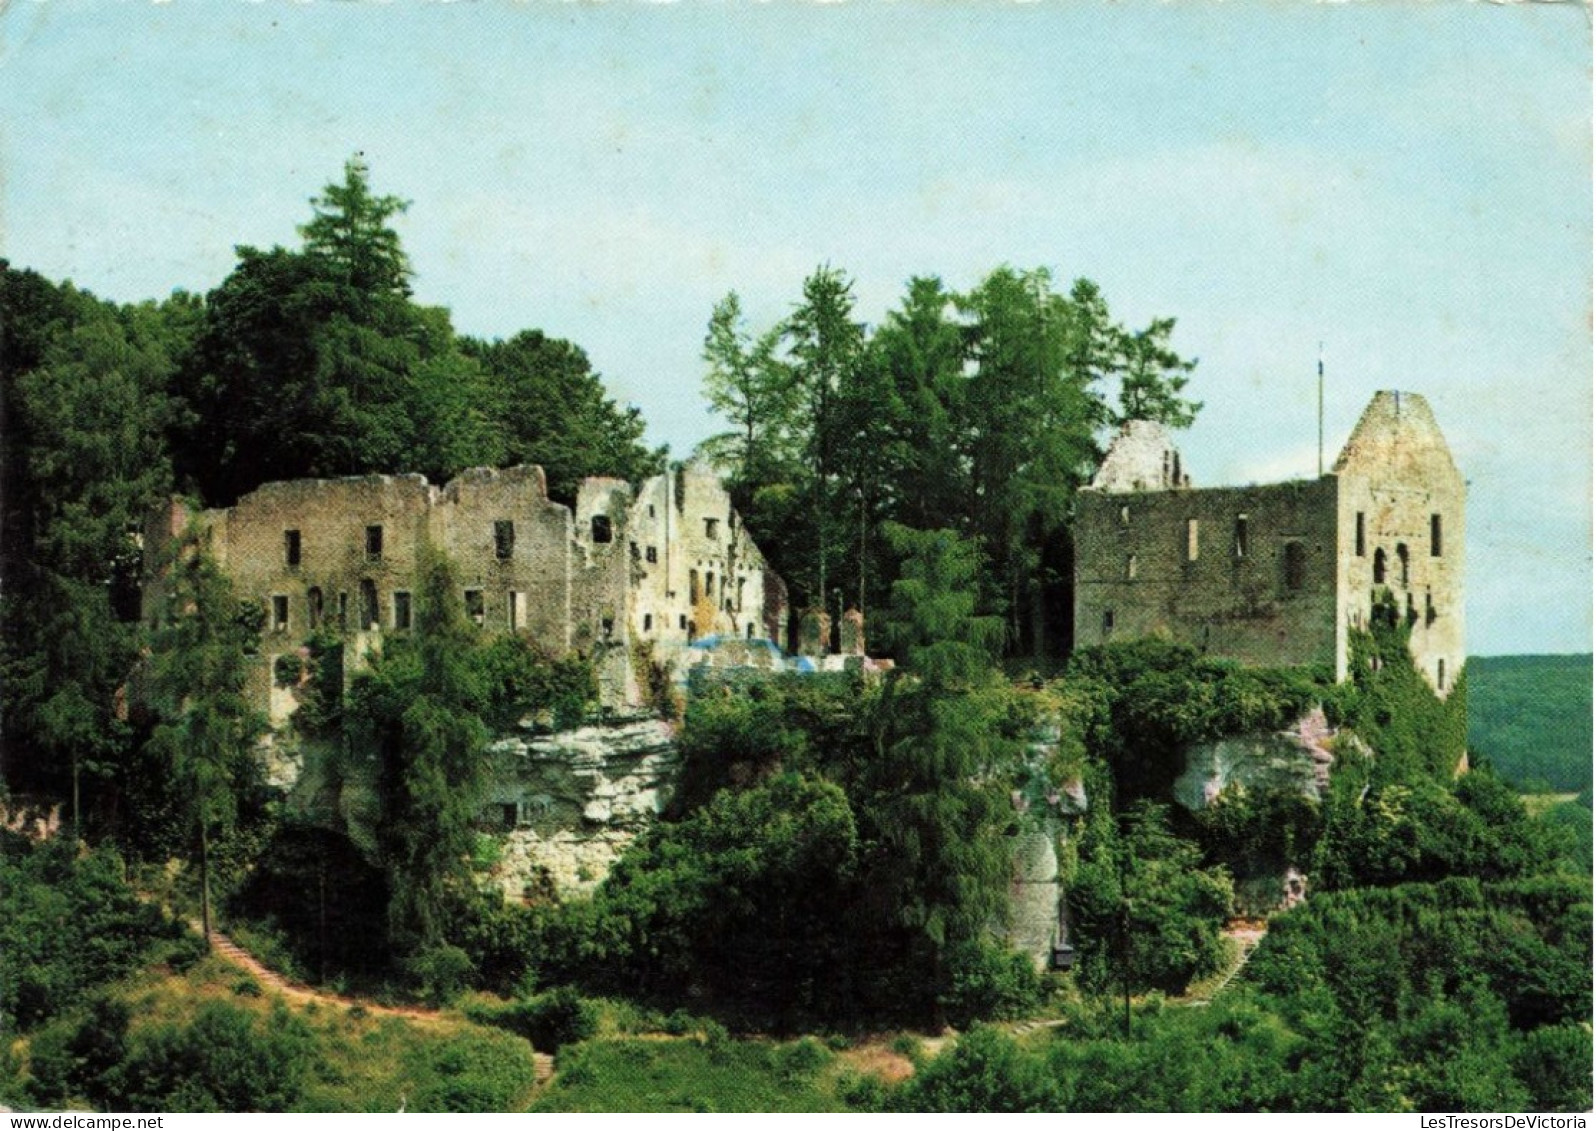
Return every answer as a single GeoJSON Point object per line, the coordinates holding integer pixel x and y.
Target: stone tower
{"type": "Point", "coordinates": [1279, 574]}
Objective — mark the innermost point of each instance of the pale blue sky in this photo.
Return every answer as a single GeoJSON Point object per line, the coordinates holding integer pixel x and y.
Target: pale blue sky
{"type": "Point", "coordinates": [1409, 182]}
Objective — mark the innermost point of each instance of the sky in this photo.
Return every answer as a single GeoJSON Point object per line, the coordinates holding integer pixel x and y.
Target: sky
{"type": "Point", "coordinates": [1408, 183]}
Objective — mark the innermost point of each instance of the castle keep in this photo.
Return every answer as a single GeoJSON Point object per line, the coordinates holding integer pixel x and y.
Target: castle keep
{"type": "Point", "coordinates": [668, 562]}
{"type": "Point", "coordinates": [1280, 574]}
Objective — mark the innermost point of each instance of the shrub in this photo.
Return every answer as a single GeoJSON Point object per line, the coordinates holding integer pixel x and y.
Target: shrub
{"type": "Point", "coordinates": [439, 972]}
{"type": "Point", "coordinates": [549, 1021]}
{"type": "Point", "coordinates": [987, 982]}
{"type": "Point", "coordinates": [471, 1071]}
{"type": "Point", "coordinates": [223, 1061]}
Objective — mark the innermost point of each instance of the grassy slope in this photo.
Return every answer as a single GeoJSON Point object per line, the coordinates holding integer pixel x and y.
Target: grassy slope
{"type": "Point", "coordinates": [364, 1063]}
{"type": "Point", "coordinates": [688, 1074]}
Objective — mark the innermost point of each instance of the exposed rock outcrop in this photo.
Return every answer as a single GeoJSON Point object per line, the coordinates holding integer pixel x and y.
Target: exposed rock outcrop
{"type": "Point", "coordinates": [1297, 759]}
{"type": "Point", "coordinates": [570, 803]}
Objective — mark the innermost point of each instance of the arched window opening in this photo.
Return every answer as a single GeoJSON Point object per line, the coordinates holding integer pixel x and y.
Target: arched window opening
{"type": "Point", "coordinates": [1379, 566]}
{"type": "Point", "coordinates": [1402, 562]}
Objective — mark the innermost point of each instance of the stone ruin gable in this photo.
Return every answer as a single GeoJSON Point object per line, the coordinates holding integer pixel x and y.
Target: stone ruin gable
{"type": "Point", "coordinates": [511, 545]}
{"type": "Point", "coordinates": [696, 570]}
{"type": "Point", "coordinates": [1247, 573]}
{"type": "Point", "coordinates": [1401, 519]}
{"type": "Point", "coordinates": [1142, 457]}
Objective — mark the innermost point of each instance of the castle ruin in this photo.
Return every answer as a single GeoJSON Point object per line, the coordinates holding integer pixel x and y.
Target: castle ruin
{"type": "Point", "coordinates": [667, 562]}
{"type": "Point", "coordinates": [1280, 574]}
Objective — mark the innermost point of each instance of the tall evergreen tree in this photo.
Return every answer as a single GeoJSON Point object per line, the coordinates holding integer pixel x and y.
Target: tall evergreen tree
{"type": "Point", "coordinates": [1034, 416]}
{"type": "Point", "coordinates": [206, 729]}
{"type": "Point", "coordinates": [1153, 376]}
{"type": "Point", "coordinates": [826, 346]}
{"type": "Point", "coordinates": [755, 392]}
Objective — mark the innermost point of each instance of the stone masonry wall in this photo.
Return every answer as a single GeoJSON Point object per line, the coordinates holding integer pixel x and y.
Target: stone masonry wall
{"type": "Point", "coordinates": [1400, 486]}
{"type": "Point", "coordinates": [1247, 573]}
{"type": "Point", "coordinates": [669, 562]}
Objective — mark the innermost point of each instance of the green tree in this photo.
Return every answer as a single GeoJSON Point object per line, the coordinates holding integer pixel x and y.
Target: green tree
{"type": "Point", "coordinates": [1145, 912]}
{"type": "Point", "coordinates": [754, 391]}
{"type": "Point", "coordinates": [1152, 377]}
{"type": "Point", "coordinates": [351, 233]}
{"type": "Point", "coordinates": [418, 713]}
{"type": "Point", "coordinates": [825, 345]}
{"type": "Point", "coordinates": [923, 351]}
{"type": "Point", "coordinates": [206, 729]}
{"type": "Point", "coordinates": [317, 363]}
{"type": "Point", "coordinates": [932, 796]}
{"type": "Point", "coordinates": [549, 408]}
{"type": "Point", "coordinates": [1033, 419]}
{"type": "Point", "coordinates": [85, 415]}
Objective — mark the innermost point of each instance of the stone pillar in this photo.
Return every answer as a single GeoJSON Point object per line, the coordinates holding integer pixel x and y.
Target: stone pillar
{"type": "Point", "coordinates": [851, 633]}
{"type": "Point", "coordinates": [814, 633]}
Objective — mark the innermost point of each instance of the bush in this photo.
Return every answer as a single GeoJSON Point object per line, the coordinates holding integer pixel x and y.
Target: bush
{"type": "Point", "coordinates": [471, 1072]}
{"type": "Point", "coordinates": [549, 1021]}
{"type": "Point", "coordinates": [222, 1062]}
{"type": "Point", "coordinates": [439, 972]}
{"type": "Point", "coordinates": [986, 1071]}
{"type": "Point", "coordinates": [987, 982]}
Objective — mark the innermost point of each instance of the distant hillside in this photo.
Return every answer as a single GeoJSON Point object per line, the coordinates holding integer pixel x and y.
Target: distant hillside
{"type": "Point", "coordinates": [1531, 716]}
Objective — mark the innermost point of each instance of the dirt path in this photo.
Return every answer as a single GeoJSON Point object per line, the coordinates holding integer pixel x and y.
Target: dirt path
{"type": "Point", "coordinates": [229, 951]}
{"type": "Point", "coordinates": [225, 948]}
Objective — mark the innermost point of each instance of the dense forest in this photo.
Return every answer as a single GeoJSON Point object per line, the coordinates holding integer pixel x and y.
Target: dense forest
{"type": "Point", "coordinates": [1531, 716]}
{"type": "Point", "coordinates": [838, 851]}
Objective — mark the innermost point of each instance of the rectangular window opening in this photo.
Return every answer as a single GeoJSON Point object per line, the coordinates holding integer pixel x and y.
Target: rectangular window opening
{"type": "Point", "coordinates": [712, 529]}
{"type": "Point", "coordinates": [1241, 536]}
{"type": "Point", "coordinates": [1435, 536]}
{"type": "Point", "coordinates": [475, 608]}
{"type": "Point", "coordinates": [1191, 539]}
{"type": "Point", "coordinates": [279, 613]}
{"type": "Point", "coordinates": [503, 539]}
{"type": "Point", "coordinates": [1358, 543]}
{"type": "Point", "coordinates": [401, 610]}
{"type": "Point", "coordinates": [651, 554]}
{"type": "Point", "coordinates": [291, 548]}
{"type": "Point", "coordinates": [1108, 621]}
{"type": "Point", "coordinates": [648, 622]}
{"type": "Point", "coordinates": [374, 543]}
{"type": "Point", "coordinates": [516, 608]}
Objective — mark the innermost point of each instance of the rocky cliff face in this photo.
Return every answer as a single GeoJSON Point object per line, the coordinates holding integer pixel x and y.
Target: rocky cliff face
{"type": "Point", "coordinates": [570, 803]}
{"type": "Point", "coordinates": [1296, 760]}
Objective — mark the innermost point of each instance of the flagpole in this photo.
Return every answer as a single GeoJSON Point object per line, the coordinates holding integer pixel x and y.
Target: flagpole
{"type": "Point", "coordinates": [1321, 409]}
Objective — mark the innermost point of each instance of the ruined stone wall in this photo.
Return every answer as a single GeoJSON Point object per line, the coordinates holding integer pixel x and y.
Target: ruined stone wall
{"type": "Point", "coordinates": [1247, 573]}
{"type": "Point", "coordinates": [523, 569]}
{"type": "Point", "coordinates": [668, 563]}
{"type": "Point", "coordinates": [697, 571]}
{"type": "Point", "coordinates": [1402, 530]}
